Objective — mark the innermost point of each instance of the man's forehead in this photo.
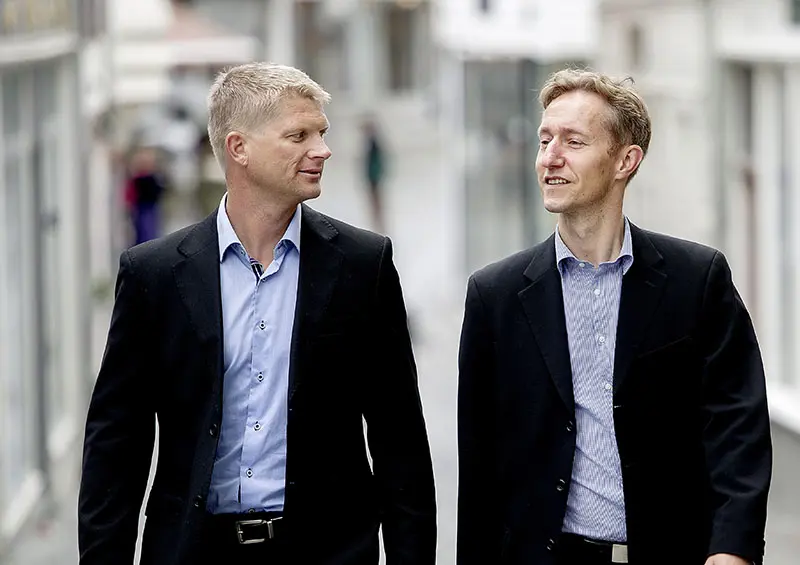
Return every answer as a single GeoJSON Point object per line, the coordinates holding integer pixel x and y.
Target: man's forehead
{"type": "Point", "coordinates": [311, 114]}
{"type": "Point", "coordinates": [573, 114]}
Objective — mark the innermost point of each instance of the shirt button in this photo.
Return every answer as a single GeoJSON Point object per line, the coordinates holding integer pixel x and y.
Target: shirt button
{"type": "Point", "coordinates": [262, 325]}
{"type": "Point", "coordinates": [257, 426]}
{"type": "Point", "coordinates": [249, 473]}
{"type": "Point", "coordinates": [607, 386]}
{"type": "Point", "coordinates": [581, 265]}
{"type": "Point", "coordinates": [597, 292]}
{"type": "Point", "coordinates": [260, 377]}
{"type": "Point", "coordinates": [601, 338]}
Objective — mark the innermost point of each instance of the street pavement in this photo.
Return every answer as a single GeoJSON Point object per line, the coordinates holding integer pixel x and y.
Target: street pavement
{"type": "Point", "coordinates": [423, 208]}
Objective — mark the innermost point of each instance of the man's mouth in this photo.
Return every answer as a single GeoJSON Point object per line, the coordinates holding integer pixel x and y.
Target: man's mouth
{"type": "Point", "coordinates": [555, 180]}
{"type": "Point", "coordinates": [316, 173]}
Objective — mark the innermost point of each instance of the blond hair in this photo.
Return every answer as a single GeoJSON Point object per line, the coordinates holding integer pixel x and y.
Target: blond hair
{"type": "Point", "coordinates": [244, 97]}
{"type": "Point", "coordinates": [628, 121]}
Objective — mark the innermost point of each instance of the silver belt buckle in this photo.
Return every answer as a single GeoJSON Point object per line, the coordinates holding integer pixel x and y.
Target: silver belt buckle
{"type": "Point", "coordinates": [240, 533]}
{"type": "Point", "coordinates": [619, 553]}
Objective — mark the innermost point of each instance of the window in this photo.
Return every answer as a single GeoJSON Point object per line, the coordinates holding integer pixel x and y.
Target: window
{"type": "Point", "coordinates": [92, 20]}
{"type": "Point", "coordinates": [17, 382]}
{"type": "Point", "coordinates": [786, 232]}
{"type": "Point", "coordinates": [46, 161]}
{"type": "Point", "coordinates": [636, 47]}
{"type": "Point", "coordinates": [400, 28]}
{"type": "Point", "coordinates": [796, 11]}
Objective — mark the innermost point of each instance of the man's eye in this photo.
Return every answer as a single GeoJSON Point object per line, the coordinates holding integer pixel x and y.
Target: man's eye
{"type": "Point", "coordinates": [299, 136]}
{"type": "Point", "coordinates": [544, 142]}
{"type": "Point", "coordinates": [575, 142]}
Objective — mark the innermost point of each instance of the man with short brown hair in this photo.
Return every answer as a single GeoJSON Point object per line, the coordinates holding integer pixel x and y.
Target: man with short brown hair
{"type": "Point", "coordinates": [612, 403]}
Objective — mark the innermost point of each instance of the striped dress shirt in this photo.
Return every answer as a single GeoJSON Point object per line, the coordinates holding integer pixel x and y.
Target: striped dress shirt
{"type": "Point", "coordinates": [595, 505]}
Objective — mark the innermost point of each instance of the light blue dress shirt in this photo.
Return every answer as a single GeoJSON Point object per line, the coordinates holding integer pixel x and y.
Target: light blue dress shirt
{"type": "Point", "coordinates": [596, 504]}
{"type": "Point", "coordinates": [257, 316]}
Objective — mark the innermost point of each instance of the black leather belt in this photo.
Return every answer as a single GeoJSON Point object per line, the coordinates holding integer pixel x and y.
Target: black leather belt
{"type": "Point", "coordinates": [246, 529]}
{"type": "Point", "coordinates": [607, 551]}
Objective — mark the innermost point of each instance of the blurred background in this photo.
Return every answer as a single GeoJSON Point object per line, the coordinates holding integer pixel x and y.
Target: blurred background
{"type": "Point", "coordinates": [434, 117]}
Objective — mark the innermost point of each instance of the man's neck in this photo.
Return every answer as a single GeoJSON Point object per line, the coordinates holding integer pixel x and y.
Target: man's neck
{"type": "Point", "coordinates": [596, 238]}
{"type": "Point", "coordinates": [259, 224]}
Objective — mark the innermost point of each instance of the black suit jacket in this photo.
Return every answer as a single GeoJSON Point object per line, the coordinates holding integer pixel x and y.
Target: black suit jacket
{"type": "Point", "coordinates": [690, 410]}
{"type": "Point", "coordinates": [351, 357]}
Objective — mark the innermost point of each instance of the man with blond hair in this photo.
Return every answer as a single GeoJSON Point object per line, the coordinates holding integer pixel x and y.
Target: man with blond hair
{"type": "Point", "coordinates": [612, 404]}
{"type": "Point", "coordinates": [260, 339]}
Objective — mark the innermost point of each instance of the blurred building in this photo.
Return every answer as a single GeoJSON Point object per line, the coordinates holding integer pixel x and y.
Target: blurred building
{"type": "Point", "coordinates": [493, 57]}
{"type": "Point", "coordinates": [165, 56]}
{"type": "Point", "coordinates": [724, 165]}
{"type": "Point", "coordinates": [374, 56]}
{"type": "Point", "coordinates": [43, 283]}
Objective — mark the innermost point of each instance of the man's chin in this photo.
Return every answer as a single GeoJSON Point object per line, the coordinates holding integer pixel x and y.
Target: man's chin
{"type": "Point", "coordinates": [555, 207]}
{"type": "Point", "coordinates": [312, 192]}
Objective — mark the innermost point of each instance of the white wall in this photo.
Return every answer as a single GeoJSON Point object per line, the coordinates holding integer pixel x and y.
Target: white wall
{"type": "Point", "coordinates": [674, 191]}
{"type": "Point", "coordinates": [540, 29]}
{"type": "Point", "coordinates": [748, 112]}
{"type": "Point", "coordinates": [139, 61]}
{"type": "Point", "coordinates": [141, 17]}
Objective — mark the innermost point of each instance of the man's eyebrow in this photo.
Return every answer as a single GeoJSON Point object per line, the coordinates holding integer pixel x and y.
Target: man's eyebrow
{"type": "Point", "coordinates": [566, 130]}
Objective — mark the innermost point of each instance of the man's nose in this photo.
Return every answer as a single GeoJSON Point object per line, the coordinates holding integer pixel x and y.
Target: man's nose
{"type": "Point", "coordinates": [321, 150]}
{"type": "Point", "coordinates": [551, 155]}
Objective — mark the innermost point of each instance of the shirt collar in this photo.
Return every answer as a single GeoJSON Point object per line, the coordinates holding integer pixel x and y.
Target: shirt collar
{"type": "Point", "coordinates": [625, 254]}
{"type": "Point", "coordinates": [227, 236]}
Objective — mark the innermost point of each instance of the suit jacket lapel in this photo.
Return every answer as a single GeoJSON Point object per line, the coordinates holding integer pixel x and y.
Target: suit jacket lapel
{"type": "Point", "coordinates": [320, 262]}
{"type": "Point", "coordinates": [642, 289]}
{"type": "Point", "coordinates": [544, 306]}
{"type": "Point", "coordinates": [197, 278]}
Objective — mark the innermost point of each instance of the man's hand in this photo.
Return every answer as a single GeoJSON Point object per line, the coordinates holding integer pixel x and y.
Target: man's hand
{"type": "Point", "coordinates": [725, 559]}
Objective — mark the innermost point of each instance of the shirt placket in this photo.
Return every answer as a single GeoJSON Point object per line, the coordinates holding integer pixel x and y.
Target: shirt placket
{"type": "Point", "coordinates": [255, 426]}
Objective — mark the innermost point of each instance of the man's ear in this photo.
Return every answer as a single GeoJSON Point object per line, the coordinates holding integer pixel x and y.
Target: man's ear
{"type": "Point", "coordinates": [630, 159]}
{"type": "Point", "coordinates": [236, 147]}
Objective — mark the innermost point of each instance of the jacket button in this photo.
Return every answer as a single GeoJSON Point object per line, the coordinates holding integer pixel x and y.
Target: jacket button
{"type": "Point", "coordinates": [551, 544]}
{"type": "Point", "coordinates": [562, 484]}
{"type": "Point", "coordinates": [570, 426]}
{"type": "Point", "coordinates": [213, 430]}
{"type": "Point", "coordinates": [198, 501]}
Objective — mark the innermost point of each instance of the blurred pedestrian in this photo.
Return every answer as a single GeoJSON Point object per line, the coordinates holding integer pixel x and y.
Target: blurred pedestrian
{"type": "Point", "coordinates": [612, 403]}
{"type": "Point", "coordinates": [374, 167]}
{"type": "Point", "coordinates": [260, 339]}
{"type": "Point", "coordinates": [144, 188]}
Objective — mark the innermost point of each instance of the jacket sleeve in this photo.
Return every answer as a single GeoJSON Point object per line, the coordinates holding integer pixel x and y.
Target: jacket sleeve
{"type": "Point", "coordinates": [120, 431]}
{"type": "Point", "coordinates": [737, 431]}
{"type": "Point", "coordinates": [396, 433]}
{"type": "Point", "coordinates": [479, 532]}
